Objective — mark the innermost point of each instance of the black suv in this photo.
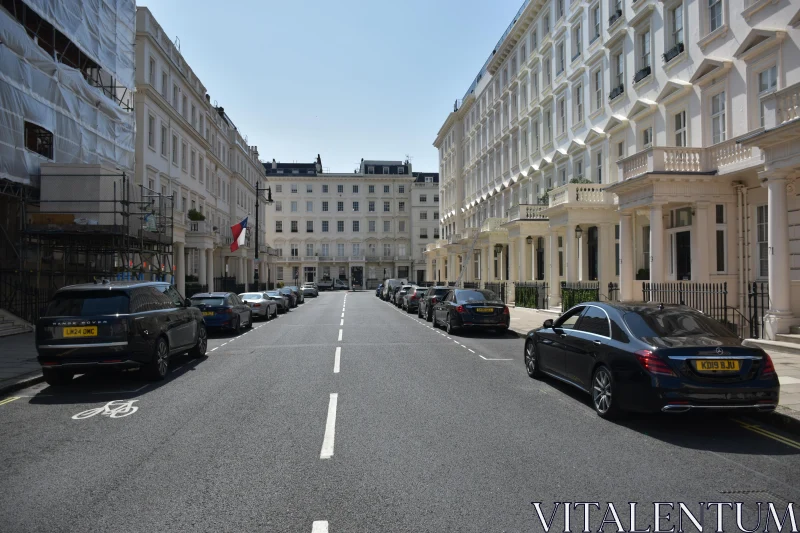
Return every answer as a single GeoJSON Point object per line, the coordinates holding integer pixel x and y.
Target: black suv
{"type": "Point", "coordinates": [118, 324]}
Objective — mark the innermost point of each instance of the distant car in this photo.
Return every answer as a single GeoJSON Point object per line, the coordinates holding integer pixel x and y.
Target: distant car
{"type": "Point", "coordinates": [325, 284]}
{"type": "Point", "coordinates": [650, 357]}
{"type": "Point", "coordinates": [471, 308]}
{"type": "Point", "coordinates": [261, 304]}
{"type": "Point", "coordinates": [310, 290]}
{"type": "Point", "coordinates": [432, 295]}
{"type": "Point", "coordinates": [378, 290]}
{"type": "Point", "coordinates": [281, 300]}
{"type": "Point", "coordinates": [290, 295]}
{"type": "Point", "coordinates": [298, 293]}
{"type": "Point", "coordinates": [223, 310]}
{"type": "Point", "coordinates": [116, 324]}
{"type": "Point", "coordinates": [340, 285]}
{"type": "Point", "coordinates": [389, 288]}
{"type": "Point", "coordinates": [412, 298]}
{"type": "Point", "coordinates": [398, 296]}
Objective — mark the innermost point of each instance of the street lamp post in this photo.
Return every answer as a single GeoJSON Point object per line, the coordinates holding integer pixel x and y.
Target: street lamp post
{"type": "Point", "coordinates": [267, 201]}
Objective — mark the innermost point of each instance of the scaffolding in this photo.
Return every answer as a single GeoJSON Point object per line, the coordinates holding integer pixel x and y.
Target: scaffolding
{"type": "Point", "coordinates": [88, 227]}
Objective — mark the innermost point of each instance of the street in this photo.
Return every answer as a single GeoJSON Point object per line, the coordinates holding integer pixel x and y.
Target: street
{"type": "Point", "coordinates": [347, 414]}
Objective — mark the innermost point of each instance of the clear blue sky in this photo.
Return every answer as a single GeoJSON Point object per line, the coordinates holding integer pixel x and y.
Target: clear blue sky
{"type": "Point", "coordinates": [346, 79]}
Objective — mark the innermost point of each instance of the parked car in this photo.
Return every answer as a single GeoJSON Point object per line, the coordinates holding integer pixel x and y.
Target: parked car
{"type": "Point", "coordinates": [325, 284]}
{"type": "Point", "coordinates": [398, 295]}
{"type": "Point", "coordinates": [281, 299]}
{"type": "Point", "coordinates": [298, 293]}
{"type": "Point", "coordinates": [433, 295]}
{"type": "Point", "coordinates": [290, 295]}
{"type": "Point", "coordinates": [378, 290]}
{"type": "Point", "coordinates": [223, 310]}
{"type": "Point", "coordinates": [340, 285]}
{"type": "Point", "coordinates": [261, 304]}
{"type": "Point", "coordinates": [389, 288]}
{"type": "Point", "coordinates": [310, 290]}
{"type": "Point", "coordinates": [412, 297]}
{"type": "Point", "coordinates": [116, 324]}
{"type": "Point", "coordinates": [471, 308]}
{"type": "Point", "coordinates": [652, 357]}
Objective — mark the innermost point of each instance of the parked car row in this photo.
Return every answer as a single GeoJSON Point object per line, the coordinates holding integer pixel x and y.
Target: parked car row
{"type": "Point", "coordinates": [449, 307]}
{"type": "Point", "coordinates": [141, 324]}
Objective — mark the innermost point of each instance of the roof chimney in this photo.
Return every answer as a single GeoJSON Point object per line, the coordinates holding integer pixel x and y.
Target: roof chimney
{"type": "Point", "coordinates": [274, 164]}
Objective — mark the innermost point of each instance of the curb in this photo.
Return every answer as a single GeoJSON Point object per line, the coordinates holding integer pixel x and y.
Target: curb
{"type": "Point", "coordinates": [21, 384]}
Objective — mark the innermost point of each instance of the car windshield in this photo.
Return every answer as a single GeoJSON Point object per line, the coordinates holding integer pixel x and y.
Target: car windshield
{"type": "Point", "coordinates": [657, 326]}
{"type": "Point", "coordinates": [251, 296]}
{"type": "Point", "coordinates": [208, 300]}
{"type": "Point", "coordinates": [286, 291]}
{"type": "Point", "coordinates": [470, 296]}
{"type": "Point", "coordinates": [438, 292]}
{"type": "Point", "coordinates": [88, 303]}
{"type": "Point", "coordinates": [273, 293]}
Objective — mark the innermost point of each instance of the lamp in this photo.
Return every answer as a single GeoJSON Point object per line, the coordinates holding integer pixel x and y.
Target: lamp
{"type": "Point", "coordinates": [529, 239]}
{"type": "Point", "coordinates": [578, 232]}
{"type": "Point", "coordinates": [498, 248]}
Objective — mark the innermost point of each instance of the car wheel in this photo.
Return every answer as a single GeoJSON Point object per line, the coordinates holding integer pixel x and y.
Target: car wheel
{"type": "Point", "coordinates": [603, 393]}
{"type": "Point", "coordinates": [449, 326]}
{"type": "Point", "coordinates": [56, 378]}
{"type": "Point", "coordinates": [199, 349]}
{"type": "Point", "coordinates": [428, 316]}
{"type": "Point", "coordinates": [249, 321]}
{"type": "Point", "coordinates": [419, 312]}
{"type": "Point", "coordinates": [532, 360]}
{"type": "Point", "coordinates": [238, 327]}
{"type": "Point", "coordinates": [157, 368]}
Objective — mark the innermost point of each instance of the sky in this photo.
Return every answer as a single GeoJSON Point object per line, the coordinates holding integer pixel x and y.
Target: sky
{"type": "Point", "coordinates": [347, 79]}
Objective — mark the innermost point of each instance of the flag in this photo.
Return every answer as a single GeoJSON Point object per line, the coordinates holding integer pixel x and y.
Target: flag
{"type": "Point", "coordinates": [239, 234]}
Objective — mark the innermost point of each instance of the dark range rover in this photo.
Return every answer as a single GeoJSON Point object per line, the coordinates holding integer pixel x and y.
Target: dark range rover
{"type": "Point", "coordinates": [117, 324]}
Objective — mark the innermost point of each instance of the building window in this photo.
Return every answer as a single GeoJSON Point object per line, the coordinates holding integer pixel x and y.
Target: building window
{"type": "Point", "coordinates": [559, 9]}
{"type": "Point", "coordinates": [324, 206]}
{"type": "Point", "coordinates": [278, 226]}
{"type": "Point", "coordinates": [151, 130]}
{"type": "Point", "coordinates": [385, 170]}
{"type": "Point", "coordinates": [718, 129]}
{"type": "Point", "coordinates": [340, 207]}
{"type": "Point", "coordinates": [385, 189]}
{"type": "Point", "coordinates": [680, 129]}
{"type": "Point", "coordinates": [295, 251]}
{"type": "Point", "coordinates": [183, 155]}
{"type": "Point", "coordinates": [355, 189]}
{"type": "Point", "coordinates": [714, 15]}
{"type": "Point", "coordinates": [676, 26]}
{"type": "Point", "coordinates": [386, 207]}
{"type": "Point", "coordinates": [618, 72]}
{"type": "Point", "coordinates": [616, 249]}
{"type": "Point", "coordinates": [423, 215]}
{"type": "Point", "coordinates": [174, 96]}
{"type": "Point", "coordinates": [340, 189]}
{"type": "Point", "coordinates": [294, 207]}
{"type": "Point", "coordinates": [356, 226]}
{"type": "Point", "coordinates": [174, 149]}
{"type": "Point", "coordinates": [401, 189]}
{"type": "Point", "coordinates": [325, 189]}
{"type": "Point", "coordinates": [370, 170]}
{"type": "Point", "coordinates": [163, 140]}
{"type": "Point", "coordinates": [387, 250]}
{"type": "Point", "coordinates": [643, 47]}
{"type": "Point", "coordinates": [560, 58]}
{"type": "Point", "coordinates": [340, 226]}
{"type": "Point", "coordinates": [279, 273]}
{"type": "Point", "coordinates": [721, 241]}
{"type": "Point", "coordinates": [309, 226]}
{"type": "Point", "coordinates": [595, 20]}
{"type": "Point", "coordinates": [423, 233]}
{"type": "Point", "coordinates": [294, 226]}
{"type": "Point", "coordinates": [401, 207]}
{"type": "Point", "coordinates": [325, 226]}
{"type": "Point", "coordinates": [562, 116]}
{"type": "Point", "coordinates": [387, 226]}
{"type": "Point", "coordinates": [767, 82]}
{"type": "Point", "coordinates": [355, 206]}
{"type": "Point", "coordinates": [548, 127]}
{"type": "Point", "coordinates": [423, 198]}
{"type": "Point", "coordinates": [371, 206]}
{"type": "Point", "coordinates": [647, 137]}
{"type": "Point", "coordinates": [560, 256]}
{"type": "Point", "coordinates": [278, 206]}
{"type": "Point", "coordinates": [546, 23]}
{"type": "Point", "coordinates": [577, 43]}
{"type": "Point", "coordinates": [597, 89]}
{"type": "Point", "coordinates": [309, 206]}
{"type": "Point", "coordinates": [535, 128]}
{"type": "Point", "coordinates": [547, 69]}
{"type": "Point", "coordinates": [371, 189]}
{"type": "Point", "coordinates": [372, 226]}
{"type": "Point", "coordinates": [598, 167]}
{"type": "Point", "coordinates": [436, 215]}
{"type": "Point", "coordinates": [578, 118]}
{"type": "Point", "coordinates": [762, 227]}
{"type": "Point", "coordinates": [278, 188]}
{"type": "Point", "coordinates": [620, 149]}
{"type": "Point", "coordinates": [534, 41]}
{"type": "Point", "coordinates": [436, 198]}
{"type": "Point", "coordinates": [577, 167]}
{"type": "Point", "coordinates": [400, 170]}
{"type": "Point", "coordinates": [340, 250]}
{"type": "Point", "coordinates": [294, 188]}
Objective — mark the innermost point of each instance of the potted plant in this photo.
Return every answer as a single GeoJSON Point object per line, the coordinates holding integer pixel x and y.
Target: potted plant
{"type": "Point", "coordinates": [643, 274]}
{"type": "Point", "coordinates": [195, 215]}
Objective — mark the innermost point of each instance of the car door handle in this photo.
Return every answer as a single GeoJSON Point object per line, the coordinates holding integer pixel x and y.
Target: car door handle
{"type": "Point", "coordinates": [562, 335]}
{"type": "Point", "coordinates": [599, 343]}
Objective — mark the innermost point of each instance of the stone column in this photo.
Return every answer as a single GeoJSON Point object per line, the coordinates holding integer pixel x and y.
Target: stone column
{"type": "Point", "coordinates": [534, 266]}
{"type": "Point", "coordinates": [180, 267]}
{"type": "Point", "coordinates": [605, 260]}
{"type": "Point", "coordinates": [209, 268]}
{"type": "Point", "coordinates": [700, 245]}
{"type": "Point", "coordinates": [484, 264]}
{"type": "Point", "coordinates": [552, 269]}
{"type": "Point", "coordinates": [513, 263]}
{"type": "Point", "coordinates": [657, 258]}
{"type": "Point", "coordinates": [202, 272]}
{"type": "Point", "coordinates": [626, 257]}
{"type": "Point", "coordinates": [572, 254]}
{"type": "Point", "coordinates": [779, 318]}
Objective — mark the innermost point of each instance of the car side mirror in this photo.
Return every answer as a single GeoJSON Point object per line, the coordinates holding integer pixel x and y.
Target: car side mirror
{"type": "Point", "coordinates": [187, 302]}
{"type": "Point", "coordinates": [548, 323]}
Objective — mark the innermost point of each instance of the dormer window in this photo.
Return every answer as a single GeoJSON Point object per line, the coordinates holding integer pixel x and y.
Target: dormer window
{"type": "Point", "coordinates": [400, 170]}
{"type": "Point", "coordinates": [370, 170]}
{"type": "Point", "coordinates": [385, 170]}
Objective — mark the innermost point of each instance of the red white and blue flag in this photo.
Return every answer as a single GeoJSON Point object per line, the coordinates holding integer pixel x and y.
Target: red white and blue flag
{"type": "Point", "coordinates": [239, 234]}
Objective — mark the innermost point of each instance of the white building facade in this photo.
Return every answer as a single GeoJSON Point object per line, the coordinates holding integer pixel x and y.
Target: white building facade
{"type": "Point", "coordinates": [189, 148]}
{"type": "Point", "coordinates": [424, 221]}
{"type": "Point", "coordinates": [631, 143]}
{"type": "Point", "coordinates": [358, 227]}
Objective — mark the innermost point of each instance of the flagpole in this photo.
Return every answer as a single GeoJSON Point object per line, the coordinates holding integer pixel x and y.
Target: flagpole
{"type": "Point", "coordinates": [267, 201]}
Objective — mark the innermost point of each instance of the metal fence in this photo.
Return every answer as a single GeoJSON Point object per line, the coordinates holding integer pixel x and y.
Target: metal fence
{"type": "Point", "coordinates": [195, 288]}
{"type": "Point", "coordinates": [577, 292]}
{"type": "Point", "coordinates": [532, 294]}
{"type": "Point", "coordinates": [470, 285]}
{"type": "Point", "coordinates": [498, 288]}
{"type": "Point", "coordinates": [613, 292]}
{"type": "Point", "coordinates": [21, 297]}
{"type": "Point", "coordinates": [757, 305]}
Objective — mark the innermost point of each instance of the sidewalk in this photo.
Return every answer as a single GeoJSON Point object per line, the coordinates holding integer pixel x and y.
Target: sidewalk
{"type": "Point", "coordinates": [18, 365]}
{"type": "Point", "coordinates": [787, 365]}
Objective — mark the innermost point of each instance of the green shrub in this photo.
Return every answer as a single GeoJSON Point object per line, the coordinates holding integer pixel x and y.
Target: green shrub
{"type": "Point", "coordinates": [195, 215]}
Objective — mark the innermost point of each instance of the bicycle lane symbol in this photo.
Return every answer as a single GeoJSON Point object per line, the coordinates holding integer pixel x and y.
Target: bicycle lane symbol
{"type": "Point", "coordinates": [114, 409]}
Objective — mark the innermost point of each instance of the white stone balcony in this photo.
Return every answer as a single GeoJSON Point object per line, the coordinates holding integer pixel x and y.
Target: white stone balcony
{"type": "Point", "coordinates": [492, 224]}
{"type": "Point", "coordinates": [454, 238]}
{"type": "Point", "coordinates": [200, 227]}
{"type": "Point", "coordinates": [781, 107]}
{"type": "Point", "coordinates": [581, 194]}
{"type": "Point", "coordinates": [527, 212]}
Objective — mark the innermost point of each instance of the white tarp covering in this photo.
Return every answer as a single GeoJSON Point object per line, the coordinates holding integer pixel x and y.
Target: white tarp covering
{"type": "Point", "coordinates": [87, 126]}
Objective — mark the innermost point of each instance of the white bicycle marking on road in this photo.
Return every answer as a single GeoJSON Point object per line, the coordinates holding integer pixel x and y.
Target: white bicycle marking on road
{"type": "Point", "coordinates": [113, 409]}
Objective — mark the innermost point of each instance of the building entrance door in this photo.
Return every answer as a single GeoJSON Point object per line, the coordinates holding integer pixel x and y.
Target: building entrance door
{"type": "Point", "coordinates": [592, 250]}
{"type": "Point", "coordinates": [540, 258]}
{"type": "Point", "coordinates": [683, 255]}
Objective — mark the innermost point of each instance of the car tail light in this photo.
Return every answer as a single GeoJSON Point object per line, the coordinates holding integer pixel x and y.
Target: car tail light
{"type": "Point", "coordinates": [769, 368]}
{"type": "Point", "coordinates": [256, 305]}
{"type": "Point", "coordinates": [413, 296]}
{"type": "Point", "coordinates": [460, 309]}
{"type": "Point", "coordinates": [505, 310]}
{"type": "Point", "coordinates": [653, 363]}
{"type": "Point", "coordinates": [433, 300]}
{"type": "Point", "coordinates": [228, 312]}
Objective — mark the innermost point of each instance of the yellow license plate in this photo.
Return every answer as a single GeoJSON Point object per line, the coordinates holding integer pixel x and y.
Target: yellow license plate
{"type": "Point", "coordinates": [484, 310]}
{"type": "Point", "coordinates": [208, 313]}
{"type": "Point", "coordinates": [717, 365]}
{"type": "Point", "coordinates": [80, 331]}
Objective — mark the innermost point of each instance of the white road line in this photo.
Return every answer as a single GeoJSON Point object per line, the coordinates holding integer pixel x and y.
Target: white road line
{"type": "Point", "coordinates": [342, 314]}
{"type": "Point", "coordinates": [319, 526]}
{"type": "Point", "coordinates": [341, 322]}
{"type": "Point", "coordinates": [455, 341]}
{"type": "Point", "coordinates": [223, 344]}
{"type": "Point", "coordinates": [330, 429]}
{"type": "Point", "coordinates": [340, 335]}
{"type": "Point", "coordinates": [471, 350]}
{"type": "Point", "coordinates": [212, 349]}
{"type": "Point", "coordinates": [462, 345]}
{"type": "Point", "coordinates": [487, 359]}
{"type": "Point", "coordinates": [336, 359]}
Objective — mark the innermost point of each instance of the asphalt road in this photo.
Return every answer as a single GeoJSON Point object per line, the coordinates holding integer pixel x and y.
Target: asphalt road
{"type": "Point", "coordinates": [407, 430]}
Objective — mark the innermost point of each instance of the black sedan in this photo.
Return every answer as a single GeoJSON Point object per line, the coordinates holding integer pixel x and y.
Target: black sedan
{"type": "Point", "coordinates": [470, 308]}
{"type": "Point", "coordinates": [432, 295]}
{"type": "Point", "coordinates": [650, 358]}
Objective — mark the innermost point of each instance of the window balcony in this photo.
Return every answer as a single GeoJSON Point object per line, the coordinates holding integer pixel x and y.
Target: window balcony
{"type": "Point", "coordinates": [581, 194]}
{"type": "Point", "coordinates": [310, 258]}
{"type": "Point", "coordinates": [672, 53]}
{"type": "Point", "coordinates": [614, 17]}
{"type": "Point", "coordinates": [492, 224]}
{"type": "Point", "coordinates": [527, 212]}
{"type": "Point", "coordinates": [454, 238]}
{"type": "Point", "coordinates": [615, 92]}
{"type": "Point", "coordinates": [642, 74]}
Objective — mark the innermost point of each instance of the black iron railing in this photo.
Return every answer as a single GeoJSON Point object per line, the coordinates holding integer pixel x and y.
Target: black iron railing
{"type": "Point", "coordinates": [757, 306]}
{"type": "Point", "coordinates": [577, 292]}
{"type": "Point", "coordinates": [532, 294]}
{"type": "Point", "coordinates": [195, 288]}
{"type": "Point", "coordinates": [499, 288]}
{"type": "Point", "coordinates": [470, 285]}
{"type": "Point", "coordinates": [613, 292]}
{"type": "Point", "coordinates": [642, 74]}
{"type": "Point", "coordinates": [615, 92]}
{"type": "Point", "coordinates": [672, 53]}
